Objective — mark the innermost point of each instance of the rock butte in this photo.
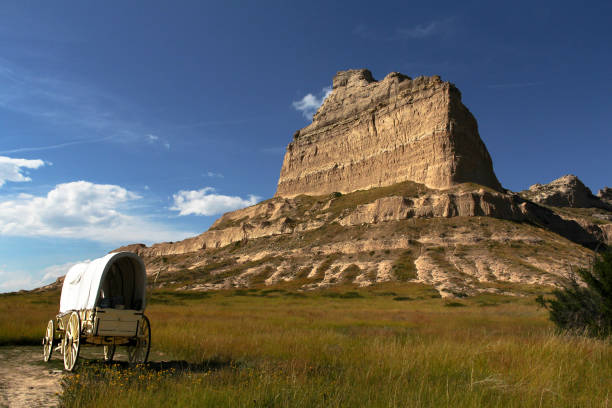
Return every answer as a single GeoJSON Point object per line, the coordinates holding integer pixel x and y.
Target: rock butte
{"type": "Point", "coordinates": [420, 203]}
{"type": "Point", "coordinates": [372, 133]}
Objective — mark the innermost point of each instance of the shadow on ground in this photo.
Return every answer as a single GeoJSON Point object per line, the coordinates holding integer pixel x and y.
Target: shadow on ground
{"type": "Point", "coordinates": [177, 365]}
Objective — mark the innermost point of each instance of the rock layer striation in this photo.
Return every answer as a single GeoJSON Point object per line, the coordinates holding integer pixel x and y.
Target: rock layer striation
{"type": "Point", "coordinates": [372, 133]}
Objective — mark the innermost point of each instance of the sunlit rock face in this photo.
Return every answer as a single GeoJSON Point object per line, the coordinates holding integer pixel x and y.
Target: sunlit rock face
{"type": "Point", "coordinates": [420, 203]}
{"type": "Point", "coordinates": [568, 191]}
{"type": "Point", "coordinates": [372, 133]}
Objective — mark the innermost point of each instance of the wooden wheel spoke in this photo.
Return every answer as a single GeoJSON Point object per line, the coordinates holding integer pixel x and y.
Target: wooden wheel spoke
{"type": "Point", "coordinates": [48, 341]}
{"type": "Point", "coordinates": [72, 341]}
{"type": "Point", "coordinates": [139, 351]}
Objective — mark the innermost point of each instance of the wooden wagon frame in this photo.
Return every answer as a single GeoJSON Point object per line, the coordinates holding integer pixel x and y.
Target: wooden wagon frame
{"type": "Point", "coordinates": [102, 304]}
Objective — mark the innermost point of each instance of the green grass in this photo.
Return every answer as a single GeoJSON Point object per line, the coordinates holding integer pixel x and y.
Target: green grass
{"type": "Point", "coordinates": [343, 347]}
{"type": "Point", "coordinates": [404, 268]}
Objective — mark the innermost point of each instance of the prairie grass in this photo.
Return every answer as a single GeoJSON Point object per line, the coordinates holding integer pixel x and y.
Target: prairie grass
{"type": "Point", "coordinates": [348, 347]}
{"type": "Point", "coordinates": [24, 316]}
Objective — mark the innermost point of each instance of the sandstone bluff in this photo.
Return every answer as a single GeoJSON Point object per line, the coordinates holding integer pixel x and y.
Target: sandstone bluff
{"type": "Point", "coordinates": [391, 182]}
{"type": "Point", "coordinates": [374, 134]}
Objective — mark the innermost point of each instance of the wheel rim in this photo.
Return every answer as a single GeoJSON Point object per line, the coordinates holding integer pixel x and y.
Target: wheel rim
{"type": "Point", "coordinates": [72, 342]}
{"type": "Point", "coordinates": [139, 352]}
{"type": "Point", "coordinates": [48, 341]}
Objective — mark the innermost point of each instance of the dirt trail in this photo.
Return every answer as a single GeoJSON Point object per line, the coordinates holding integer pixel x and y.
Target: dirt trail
{"type": "Point", "coordinates": [26, 381]}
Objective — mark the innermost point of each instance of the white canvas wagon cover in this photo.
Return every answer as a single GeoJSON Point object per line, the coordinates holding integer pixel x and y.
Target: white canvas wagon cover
{"type": "Point", "coordinates": [115, 280]}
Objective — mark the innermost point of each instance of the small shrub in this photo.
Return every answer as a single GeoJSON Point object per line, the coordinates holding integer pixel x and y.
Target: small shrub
{"type": "Point", "coordinates": [404, 269]}
{"type": "Point", "coordinates": [260, 278]}
{"type": "Point", "coordinates": [345, 295]}
{"type": "Point", "coordinates": [303, 272]}
{"type": "Point", "coordinates": [350, 273]}
{"type": "Point", "coordinates": [350, 295]}
{"type": "Point", "coordinates": [585, 309]}
{"type": "Point", "coordinates": [385, 294]}
{"type": "Point", "coordinates": [454, 304]}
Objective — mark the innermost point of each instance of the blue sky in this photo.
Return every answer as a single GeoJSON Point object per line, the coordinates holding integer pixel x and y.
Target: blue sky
{"type": "Point", "coordinates": [128, 122]}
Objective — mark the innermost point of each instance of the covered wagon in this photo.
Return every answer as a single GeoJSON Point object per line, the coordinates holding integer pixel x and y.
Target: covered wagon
{"type": "Point", "coordinates": [102, 304]}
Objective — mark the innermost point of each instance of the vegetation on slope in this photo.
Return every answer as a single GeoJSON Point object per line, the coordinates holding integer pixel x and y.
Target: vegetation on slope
{"type": "Point", "coordinates": [585, 307]}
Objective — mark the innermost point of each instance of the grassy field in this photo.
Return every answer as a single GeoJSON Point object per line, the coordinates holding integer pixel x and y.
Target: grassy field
{"type": "Point", "coordinates": [392, 345]}
{"type": "Point", "coordinates": [24, 316]}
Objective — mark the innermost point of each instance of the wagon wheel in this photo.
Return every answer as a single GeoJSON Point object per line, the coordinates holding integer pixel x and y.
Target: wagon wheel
{"type": "Point", "coordinates": [109, 352]}
{"type": "Point", "coordinates": [139, 351]}
{"type": "Point", "coordinates": [48, 341]}
{"type": "Point", "coordinates": [72, 341]}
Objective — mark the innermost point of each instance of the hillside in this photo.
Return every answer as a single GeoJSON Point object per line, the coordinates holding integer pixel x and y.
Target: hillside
{"type": "Point", "coordinates": [462, 241]}
{"type": "Point", "coordinates": [391, 182]}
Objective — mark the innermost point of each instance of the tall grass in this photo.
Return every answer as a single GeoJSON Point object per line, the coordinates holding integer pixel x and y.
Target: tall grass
{"type": "Point", "coordinates": [277, 348]}
{"type": "Point", "coordinates": [24, 316]}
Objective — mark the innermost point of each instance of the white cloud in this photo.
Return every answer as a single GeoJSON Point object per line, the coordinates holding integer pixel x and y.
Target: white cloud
{"type": "Point", "coordinates": [365, 32]}
{"type": "Point", "coordinates": [13, 169]}
{"type": "Point", "coordinates": [212, 174]}
{"type": "Point", "coordinates": [80, 209]}
{"type": "Point", "coordinates": [18, 280]}
{"type": "Point", "coordinates": [17, 283]}
{"type": "Point", "coordinates": [56, 146]}
{"type": "Point", "coordinates": [51, 273]}
{"type": "Point", "coordinates": [206, 202]}
{"type": "Point", "coordinates": [152, 139]}
{"type": "Point", "coordinates": [426, 30]}
{"type": "Point", "coordinates": [309, 104]}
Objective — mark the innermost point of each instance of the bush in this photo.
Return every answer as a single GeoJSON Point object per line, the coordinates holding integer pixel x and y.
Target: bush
{"type": "Point", "coordinates": [586, 309]}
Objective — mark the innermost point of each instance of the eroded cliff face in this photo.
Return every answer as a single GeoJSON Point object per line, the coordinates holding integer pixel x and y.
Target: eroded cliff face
{"type": "Point", "coordinates": [372, 133]}
{"type": "Point", "coordinates": [404, 201]}
{"type": "Point", "coordinates": [461, 241]}
{"type": "Point", "coordinates": [392, 183]}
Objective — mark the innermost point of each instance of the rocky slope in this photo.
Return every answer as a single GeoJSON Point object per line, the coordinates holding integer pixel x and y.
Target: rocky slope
{"type": "Point", "coordinates": [286, 216]}
{"type": "Point", "coordinates": [567, 191]}
{"type": "Point", "coordinates": [605, 195]}
{"type": "Point", "coordinates": [462, 241]}
{"type": "Point", "coordinates": [372, 133]}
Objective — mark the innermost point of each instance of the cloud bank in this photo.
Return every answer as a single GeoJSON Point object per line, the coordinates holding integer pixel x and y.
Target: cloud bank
{"type": "Point", "coordinates": [310, 103]}
{"type": "Point", "coordinates": [13, 281]}
{"type": "Point", "coordinates": [14, 169]}
{"type": "Point", "coordinates": [80, 209]}
{"type": "Point", "coordinates": [206, 202]}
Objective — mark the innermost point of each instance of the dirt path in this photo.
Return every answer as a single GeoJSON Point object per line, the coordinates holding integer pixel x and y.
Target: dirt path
{"type": "Point", "coordinates": [26, 381]}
